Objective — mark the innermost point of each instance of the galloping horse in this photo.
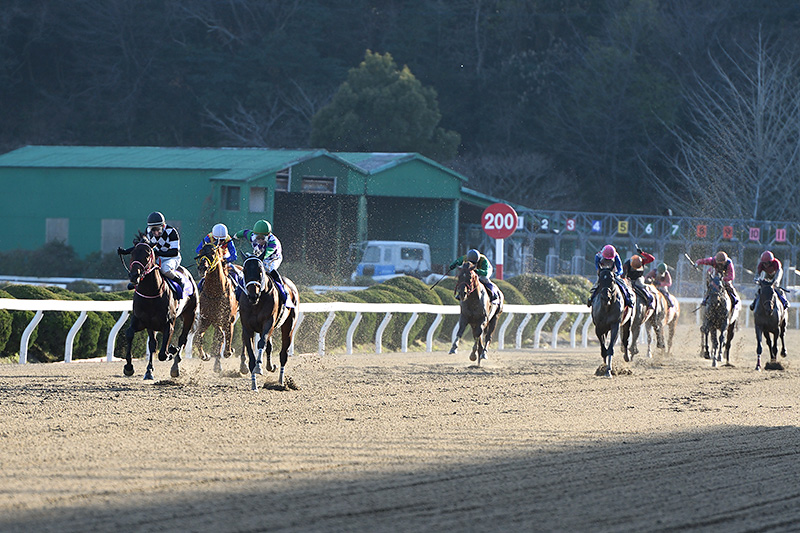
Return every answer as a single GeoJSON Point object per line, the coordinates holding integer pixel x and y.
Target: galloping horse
{"type": "Point", "coordinates": [155, 308]}
{"type": "Point", "coordinates": [664, 318]}
{"type": "Point", "coordinates": [608, 307]}
{"type": "Point", "coordinates": [719, 315]}
{"type": "Point", "coordinates": [477, 310]}
{"type": "Point", "coordinates": [770, 319]}
{"type": "Point", "coordinates": [261, 312]}
{"type": "Point", "coordinates": [218, 302]}
{"type": "Point", "coordinates": [633, 327]}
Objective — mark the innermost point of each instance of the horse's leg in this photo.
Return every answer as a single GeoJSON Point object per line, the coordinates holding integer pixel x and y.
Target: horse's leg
{"type": "Point", "coordinates": [267, 350]}
{"type": "Point", "coordinates": [671, 334]}
{"type": "Point", "coordinates": [477, 344]}
{"type": "Point", "coordinates": [487, 335]}
{"type": "Point", "coordinates": [626, 333]}
{"type": "Point", "coordinates": [199, 335]}
{"type": "Point", "coordinates": [462, 325]}
{"type": "Point", "coordinates": [782, 332]}
{"type": "Point", "coordinates": [758, 347]}
{"type": "Point", "coordinates": [247, 345]}
{"type": "Point", "coordinates": [216, 349]}
{"type": "Point", "coordinates": [188, 318]}
{"type": "Point", "coordinates": [129, 334]}
{"type": "Point", "coordinates": [151, 343]}
{"type": "Point", "coordinates": [287, 332]}
{"type": "Point", "coordinates": [728, 342]}
{"type": "Point", "coordinates": [610, 352]}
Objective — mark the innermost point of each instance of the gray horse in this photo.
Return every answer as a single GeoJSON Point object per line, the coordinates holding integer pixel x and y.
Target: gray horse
{"type": "Point", "coordinates": [719, 320]}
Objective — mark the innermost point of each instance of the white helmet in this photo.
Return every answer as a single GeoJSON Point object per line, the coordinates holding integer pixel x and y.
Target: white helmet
{"type": "Point", "coordinates": [219, 231]}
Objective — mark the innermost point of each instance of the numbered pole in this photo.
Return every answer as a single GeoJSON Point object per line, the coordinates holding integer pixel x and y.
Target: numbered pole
{"type": "Point", "coordinates": [499, 254]}
{"type": "Point", "coordinates": [499, 222]}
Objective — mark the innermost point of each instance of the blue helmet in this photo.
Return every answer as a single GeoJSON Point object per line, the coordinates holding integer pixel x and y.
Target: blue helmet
{"type": "Point", "coordinates": [473, 255]}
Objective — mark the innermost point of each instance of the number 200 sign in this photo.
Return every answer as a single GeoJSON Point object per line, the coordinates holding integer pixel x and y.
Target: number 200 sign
{"type": "Point", "coordinates": [499, 221]}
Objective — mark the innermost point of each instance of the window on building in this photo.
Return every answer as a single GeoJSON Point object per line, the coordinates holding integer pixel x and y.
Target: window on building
{"type": "Point", "coordinates": [56, 230]}
{"type": "Point", "coordinates": [112, 234]}
{"type": "Point", "coordinates": [282, 181]}
{"type": "Point", "coordinates": [258, 199]}
{"type": "Point", "coordinates": [319, 185]}
{"type": "Point", "coordinates": [230, 198]}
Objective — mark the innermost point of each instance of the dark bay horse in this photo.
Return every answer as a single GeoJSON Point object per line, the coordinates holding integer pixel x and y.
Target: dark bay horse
{"type": "Point", "coordinates": [608, 313]}
{"type": "Point", "coordinates": [770, 319]}
{"type": "Point", "coordinates": [477, 311]}
{"type": "Point", "coordinates": [633, 327]}
{"type": "Point", "coordinates": [156, 307]}
{"type": "Point", "coordinates": [719, 320]}
{"type": "Point", "coordinates": [261, 312]}
{"type": "Point", "coordinates": [218, 303]}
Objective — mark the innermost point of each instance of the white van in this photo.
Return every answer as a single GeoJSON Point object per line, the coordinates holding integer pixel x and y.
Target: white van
{"type": "Point", "coordinates": [382, 260]}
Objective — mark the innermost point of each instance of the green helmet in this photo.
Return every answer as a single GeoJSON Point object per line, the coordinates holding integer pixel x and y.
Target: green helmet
{"type": "Point", "coordinates": [262, 227]}
{"type": "Point", "coordinates": [662, 267]}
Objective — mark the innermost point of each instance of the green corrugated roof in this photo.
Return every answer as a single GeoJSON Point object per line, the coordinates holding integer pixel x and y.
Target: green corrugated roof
{"type": "Point", "coordinates": [244, 160]}
{"type": "Point", "coordinates": [374, 162]}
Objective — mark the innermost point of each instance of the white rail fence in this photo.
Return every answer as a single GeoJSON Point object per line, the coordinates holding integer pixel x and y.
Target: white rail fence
{"type": "Point", "coordinates": [580, 325]}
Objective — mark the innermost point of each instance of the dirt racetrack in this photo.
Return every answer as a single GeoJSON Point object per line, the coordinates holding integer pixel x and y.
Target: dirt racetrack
{"type": "Point", "coordinates": [531, 441]}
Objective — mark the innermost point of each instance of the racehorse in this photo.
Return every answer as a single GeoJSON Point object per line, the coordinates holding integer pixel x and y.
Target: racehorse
{"type": "Point", "coordinates": [477, 311]}
{"type": "Point", "coordinates": [770, 319]}
{"type": "Point", "coordinates": [156, 307]}
{"type": "Point", "coordinates": [218, 303]}
{"type": "Point", "coordinates": [261, 312]}
{"type": "Point", "coordinates": [608, 308]}
{"type": "Point", "coordinates": [664, 318]}
{"type": "Point", "coordinates": [633, 327]}
{"type": "Point", "coordinates": [719, 320]}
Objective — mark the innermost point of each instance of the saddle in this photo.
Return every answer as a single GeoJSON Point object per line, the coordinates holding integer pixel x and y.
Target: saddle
{"type": "Point", "coordinates": [181, 290]}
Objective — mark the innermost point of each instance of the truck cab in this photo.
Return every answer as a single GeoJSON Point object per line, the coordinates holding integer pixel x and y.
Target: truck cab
{"type": "Point", "coordinates": [382, 260]}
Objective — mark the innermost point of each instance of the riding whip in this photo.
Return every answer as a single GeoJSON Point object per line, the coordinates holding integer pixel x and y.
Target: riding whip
{"type": "Point", "coordinates": [440, 279]}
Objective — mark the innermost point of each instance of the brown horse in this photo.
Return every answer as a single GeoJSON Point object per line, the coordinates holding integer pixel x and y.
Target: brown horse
{"type": "Point", "coordinates": [663, 320]}
{"type": "Point", "coordinates": [156, 307]}
{"type": "Point", "coordinates": [477, 310]}
{"type": "Point", "coordinates": [630, 330]}
{"type": "Point", "coordinates": [261, 312]}
{"type": "Point", "coordinates": [218, 303]}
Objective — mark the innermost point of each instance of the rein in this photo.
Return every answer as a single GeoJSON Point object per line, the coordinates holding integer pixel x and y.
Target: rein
{"type": "Point", "coordinates": [469, 285]}
{"type": "Point", "coordinates": [147, 268]}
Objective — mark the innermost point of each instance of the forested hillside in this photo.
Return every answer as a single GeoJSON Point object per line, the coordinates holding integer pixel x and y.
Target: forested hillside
{"type": "Point", "coordinates": [602, 105]}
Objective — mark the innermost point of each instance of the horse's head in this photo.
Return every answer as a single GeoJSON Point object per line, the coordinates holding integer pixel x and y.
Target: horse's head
{"type": "Point", "coordinates": [606, 285]}
{"type": "Point", "coordinates": [255, 278]}
{"type": "Point", "coordinates": [143, 261]}
{"type": "Point", "coordinates": [466, 280]}
{"type": "Point", "coordinates": [766, 296]}
{"type": "Point", "coordinates": [208, 259]}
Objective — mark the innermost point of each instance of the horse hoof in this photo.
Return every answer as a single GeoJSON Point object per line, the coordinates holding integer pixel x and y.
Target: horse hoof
{"type": "Point", "coordinates": [627, 359]}
{"type": "Point", "coordinates": [128, 370]}
{"type": "Point", "coordinates": [162, 356]}
{"type": "Point", "coordinates": [243, 369]}
{"type": "Point", "coordinates": [174, 372]}
{"type": "Point", "coordinates": [272, 368]}
{"type": "Point", "coordinates": [483, 356]}
{"type": "Point", "coordinates": [205, 357]}
{"type": "Point", "coordinates": [217, 366]}
{"type": "Point", "coordinates": [472, 357]}
{"type": "Point", "coordinates": [452, 351]}
{"type": "Point", "coordinates": [172, 350]}
{"type": "Point", "coordinates": [609, 374]}
{"type": "Point", "coordinates": [148, 376]}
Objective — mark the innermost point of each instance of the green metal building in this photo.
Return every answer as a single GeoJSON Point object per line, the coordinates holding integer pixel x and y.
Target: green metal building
{"type": "Point", "coordinates": [319, 202]}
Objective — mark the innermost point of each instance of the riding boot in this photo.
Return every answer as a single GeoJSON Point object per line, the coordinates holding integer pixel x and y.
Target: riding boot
{"type": "Point", "coordinates": [178, 287]}
{"type": "Point", "coordinates": [755, 302]}
{"type": "Point", "coordinates": [285, 300]}
{"type": "Point", "coordinates": [591, 295]}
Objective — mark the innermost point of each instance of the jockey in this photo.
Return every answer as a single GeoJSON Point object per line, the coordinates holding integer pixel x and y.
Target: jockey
{"type": "Point", "coordinates": [661, 278]}
{"type": "Point", "coordinates": [484, 269]}
{"type": "Point", "coordinates": [608, 258]}
{"type": "Point", "coordinates": [633, 269]}
{"type": "Point", "coordinates": [267, 247]}
{"type": "Point", "coordinates": [220, 239]}
{"type": "Point", "coordinates": [770, 270]}
{"type": "Point", "coordinates": [722, 264]}
{"type": "Point", "coordinates": [166, 244]}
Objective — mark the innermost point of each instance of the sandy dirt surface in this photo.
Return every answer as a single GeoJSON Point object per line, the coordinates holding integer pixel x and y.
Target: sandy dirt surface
{"type": "Point", "coordinates": [530, 441]}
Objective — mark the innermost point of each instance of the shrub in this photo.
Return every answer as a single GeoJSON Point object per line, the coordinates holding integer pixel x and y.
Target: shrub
{"type": "Point", "coordinates": [539, 289]}
{"type": "Point", "coordinates": [82, 286]}
{"type": "Point", "coordinates": [5, 328]}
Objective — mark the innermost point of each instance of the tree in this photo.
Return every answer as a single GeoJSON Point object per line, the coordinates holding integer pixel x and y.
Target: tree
{"type": "Point", "coordinates": [739, 155]}
{"type": "Point", "coordinates": [380, 108]}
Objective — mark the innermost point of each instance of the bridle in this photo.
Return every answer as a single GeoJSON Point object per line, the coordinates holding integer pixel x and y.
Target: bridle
{"type": "Point", "coordinates": [260, 282]}
{"type": "Point", "coordinates": [210, 264]}
{"type": "Point", "coordinates": [468, 285]}
{"type": "Point", "coordinates": [146, 268]}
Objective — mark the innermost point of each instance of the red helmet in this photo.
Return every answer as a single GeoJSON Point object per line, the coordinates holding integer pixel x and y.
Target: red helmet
{"type": "Point", "coordinates": [767, 257]}
{"type": "Point", "coordinates": [609, 252]}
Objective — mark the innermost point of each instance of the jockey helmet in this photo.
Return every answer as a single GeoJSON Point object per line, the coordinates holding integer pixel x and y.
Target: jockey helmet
{"type": "Point", "coordinates": [636, 262]}
{"type": "Point", "coordinates": [609, 252]}
{"type": "Point", "coordinates": [473, 255]}
{"type": "Point", "coordinates": [662, 267]}
{"type": "Point", "coordinates": [155, 219]}
{"type": "Point", "coordinates": [219, 231]}
{"type": "Point", "coordinates": [262, 227]}
{"type": "Point", "coordinates": [767, 257]}
{"type": "Point", "coordinates": [721, 257]}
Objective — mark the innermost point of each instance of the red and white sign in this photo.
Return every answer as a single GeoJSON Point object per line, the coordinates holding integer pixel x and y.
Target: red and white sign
{"type": "Point", "coordinates": [499, 221]}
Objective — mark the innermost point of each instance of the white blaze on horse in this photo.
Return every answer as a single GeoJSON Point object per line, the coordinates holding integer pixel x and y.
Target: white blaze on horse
{"type": "Point", "coordinates": [261, 311]}
{"type": "Point", "coordinates": [769, 317]}
{"type": "Point", "coordinates": [156, 308]}
{"type": "Point", "coordinates": [477, 311]}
